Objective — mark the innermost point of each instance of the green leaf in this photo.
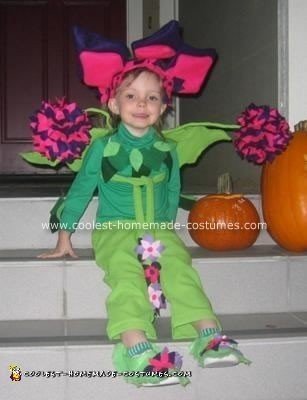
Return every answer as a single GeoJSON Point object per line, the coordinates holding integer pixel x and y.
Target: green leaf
{"type": "Point", "coordinates": [192, 139]}
{"type": "Point", "coordinates": [111, 149]}
{"type": "Point", "coordinates": [136, 159]}
{"type": "Point", "coordinates": [36, 158]}
{"type": "Point", "coordinates": [164, 146]}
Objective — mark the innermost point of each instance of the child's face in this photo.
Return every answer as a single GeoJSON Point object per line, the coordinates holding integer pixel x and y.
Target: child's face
{"type": "Point", "coordinates": [139, 103]}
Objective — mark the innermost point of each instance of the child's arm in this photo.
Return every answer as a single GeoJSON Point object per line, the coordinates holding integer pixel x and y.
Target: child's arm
{"type": "Point", "coordinates": [83, 186]}
{"type": "Point", "coordinates": [77, 199]}
{"type": "Point", "coordinates": [63, 247]}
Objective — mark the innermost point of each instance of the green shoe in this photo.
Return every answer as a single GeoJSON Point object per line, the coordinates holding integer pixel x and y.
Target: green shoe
{"type": "Point", "coordinates": [151, 368]}
{"type": "Point", "coordinates": [217, 351]}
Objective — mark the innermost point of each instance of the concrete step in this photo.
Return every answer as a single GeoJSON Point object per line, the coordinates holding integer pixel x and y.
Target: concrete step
{"type": "Point", "coordinates": [53, 318]}
{"type": "Point", "coordinates": [276, 344]}
{"type": "Point", "coordinates": [23, 224]}
{"type": "Point", "coordinates": [262, 279]}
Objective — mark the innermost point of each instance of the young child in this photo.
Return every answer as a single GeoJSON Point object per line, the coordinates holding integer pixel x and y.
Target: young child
{"type": "Point", "coordinates": [137, 174]}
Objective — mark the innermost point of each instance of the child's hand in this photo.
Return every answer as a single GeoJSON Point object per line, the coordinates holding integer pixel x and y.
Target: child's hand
{"type": "Point", "coordinates": [63, 247]}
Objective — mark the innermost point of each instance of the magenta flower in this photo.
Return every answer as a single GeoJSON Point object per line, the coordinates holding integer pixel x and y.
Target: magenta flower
{"type": "Point", "coordinates": [220, 341]}
{"type": "Point", "coordinates": [264, 133]}
{"type": "Point", "coordinates": [60, 131]}
{"type": "Point", "coordinates": [164, 361]}
{"type": "Point", "coordinates": [149, 249]}
{"type": "Point", "coordinates": [152, 272]}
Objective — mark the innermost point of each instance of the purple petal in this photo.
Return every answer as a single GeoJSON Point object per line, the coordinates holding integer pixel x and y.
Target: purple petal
{"type": "Point", "coordinates": [148, 238]}
{"type": "Point", "coordinates": [156, 286]}
{"type": "Point", "coordinates": [178, 360]}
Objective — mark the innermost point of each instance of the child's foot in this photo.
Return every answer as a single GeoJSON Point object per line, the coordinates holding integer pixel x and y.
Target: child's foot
{"type": "Point", "coordinates": [217, 351]}
{"type": "Point", "coordinates": [153, 367]}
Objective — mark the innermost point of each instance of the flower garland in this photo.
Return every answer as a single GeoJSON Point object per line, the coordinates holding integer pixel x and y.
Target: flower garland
{"type": "Point", "coordinates": [150, 250]}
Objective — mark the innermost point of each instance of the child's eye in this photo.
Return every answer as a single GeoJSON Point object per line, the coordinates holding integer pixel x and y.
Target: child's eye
{"type": "Point", "coordinates": [153, 98]}
{"type": "Point", "coordinates": [130, 96]}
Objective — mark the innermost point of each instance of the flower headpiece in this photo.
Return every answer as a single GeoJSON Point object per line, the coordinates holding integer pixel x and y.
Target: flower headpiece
{"type": "Point", "coordinates": [104, 63]}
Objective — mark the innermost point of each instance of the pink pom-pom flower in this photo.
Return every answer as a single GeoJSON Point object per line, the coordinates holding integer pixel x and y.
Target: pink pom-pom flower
{"type": "Point", "coordinates": [60, 131]}
{"type": "Point", "coordinates": [264, 133]}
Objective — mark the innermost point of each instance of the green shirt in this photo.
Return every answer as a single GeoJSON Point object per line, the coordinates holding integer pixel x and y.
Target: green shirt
{"type": "Point", "coordinates": [116, 199]}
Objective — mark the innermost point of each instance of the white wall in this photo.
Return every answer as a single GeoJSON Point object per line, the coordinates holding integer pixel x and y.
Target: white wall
{"type": "Point", "coordinates": [297, 62]}
{"type": "Point", "coordinates": [245, 36]}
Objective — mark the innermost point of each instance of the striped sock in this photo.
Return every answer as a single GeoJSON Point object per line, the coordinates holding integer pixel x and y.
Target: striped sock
{"type": "Point", "coordinates": [139, 348]}
{"type": "Point", "coordinates": [209, 332]}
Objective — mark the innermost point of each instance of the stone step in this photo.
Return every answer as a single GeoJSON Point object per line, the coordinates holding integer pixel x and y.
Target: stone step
{"type": "Point", "coordinates": [262, 279]}
{"type": "Point", "coordinates": [275, 343]}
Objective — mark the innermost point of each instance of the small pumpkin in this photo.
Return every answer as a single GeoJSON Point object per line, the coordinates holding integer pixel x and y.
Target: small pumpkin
{"type": "Point", "coordinates": [224, 221]}
{"type": "Point", "coordinates": [284, 193]}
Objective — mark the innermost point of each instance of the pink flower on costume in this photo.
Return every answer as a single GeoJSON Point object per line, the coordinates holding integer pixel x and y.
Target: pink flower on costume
{"type": "Point", "coordinates": [152, 273]}
{"type": "Point", "coordinates": [155, 293]}
{"type": "Point", "coordinates": [149, 249]}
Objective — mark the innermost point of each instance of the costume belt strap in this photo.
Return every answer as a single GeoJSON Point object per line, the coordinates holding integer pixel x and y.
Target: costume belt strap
{"type": "Point", "coordinates": [148, 182]}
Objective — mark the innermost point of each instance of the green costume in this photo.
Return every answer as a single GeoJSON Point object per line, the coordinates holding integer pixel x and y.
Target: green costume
{"type": "Point", "coordinates": [152, 198]}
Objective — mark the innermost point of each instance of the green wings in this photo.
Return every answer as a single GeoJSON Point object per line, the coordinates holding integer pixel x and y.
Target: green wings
{"type": "Point", "coordinates": [193, 138]}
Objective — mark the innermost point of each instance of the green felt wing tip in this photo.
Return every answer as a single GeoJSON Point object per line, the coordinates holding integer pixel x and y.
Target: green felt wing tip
{"type": "Point", "coordinates": [76, 164]}
{"type": "Point", "coordinates": [193, 138]}
{"type": "Point", "coordinates": [98, 132]}
{"type": "Point", "coordinates": [104, 113]}
{"type": "Point", "coordinates": [33, 157]}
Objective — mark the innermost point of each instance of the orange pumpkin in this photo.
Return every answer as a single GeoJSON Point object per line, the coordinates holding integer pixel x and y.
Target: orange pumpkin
{"type": "Point", "coordinates": [224, 221]}
{"type": "Point", "coordinates": [284, 193]}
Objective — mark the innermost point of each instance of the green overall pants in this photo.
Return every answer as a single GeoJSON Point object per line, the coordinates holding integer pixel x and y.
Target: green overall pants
{"type": "Point", "coordinates": [128, 304]}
